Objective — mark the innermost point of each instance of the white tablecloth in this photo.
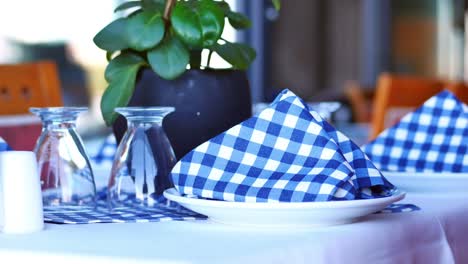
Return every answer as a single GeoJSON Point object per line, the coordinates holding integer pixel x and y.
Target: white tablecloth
{"type": "Point", "coordinates": [436, 234]}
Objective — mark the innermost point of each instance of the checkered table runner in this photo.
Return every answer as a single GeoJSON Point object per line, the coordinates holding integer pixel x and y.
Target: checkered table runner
{"type": "Point", "coordinates": [399, 208]}
{"type": "Point", "coordinates": [168, 211]}
{"type": "Point", "coordinates": [164, 211]}
{"type": "Point", "coordinates": [106, 152]}
{"type": "Point", "coordinates": [286, 153]}
{"type": "Point", "coordinates": [433, 138]}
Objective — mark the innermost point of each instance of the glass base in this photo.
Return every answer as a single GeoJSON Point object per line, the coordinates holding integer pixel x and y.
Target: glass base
{"type": "Point", "coordinates": [57, 205]}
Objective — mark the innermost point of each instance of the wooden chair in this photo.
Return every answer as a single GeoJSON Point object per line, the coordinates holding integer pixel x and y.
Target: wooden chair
{"type": "Point", "coordinates": [361, 100]}
{"type": "Point", "coordinates": [400, 92]}
{"type": "Point", "coordinates": [460, 89]}
{"type": "Point", "coordinates": [28, 84]}
{"type": "Point", "coordinates": [21, 87]}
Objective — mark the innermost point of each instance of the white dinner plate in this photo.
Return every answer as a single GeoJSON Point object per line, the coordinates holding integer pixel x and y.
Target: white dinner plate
{"type": "Point", "coordinates": [425, 182]}
{"type": "Point", "coordinates": [297, 215]}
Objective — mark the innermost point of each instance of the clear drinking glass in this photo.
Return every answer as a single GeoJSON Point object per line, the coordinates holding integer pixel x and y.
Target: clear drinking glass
{"type": "Point", "coordinates": [67, 179]}
{"type": "Point", "coordinates": [144, 159]}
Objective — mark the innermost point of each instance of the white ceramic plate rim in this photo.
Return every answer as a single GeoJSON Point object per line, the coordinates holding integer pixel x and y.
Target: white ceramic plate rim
{"type": "Point", "coordinates": [173, 195]}
{"type": "Point", "coordinates": [426, 175]}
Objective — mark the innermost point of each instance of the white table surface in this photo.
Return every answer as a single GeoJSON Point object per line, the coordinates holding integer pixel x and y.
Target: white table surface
{"type": "Point", "coordinates": [437, 234]}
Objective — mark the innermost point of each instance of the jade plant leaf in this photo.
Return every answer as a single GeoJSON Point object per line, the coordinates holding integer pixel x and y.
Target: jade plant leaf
{"type": "Point", "coordinates": [224, 6]}
{"type": "Point", "coordinates": [120, 64]}
{"type": "Point", "coordinates": [276, 4]}
{"type": "Point", "coordinates": [112, 37]}
{"type": "Point", "coordinates": [121, 74]}
{"type": "Point", "coordinates": [198, 24]}
{"type": "Point", "coordinates": [127, 5]}
{"type": "Point", "coordinates": [144, 30]}
{"type": "Point", "coordinates": [238, 20]}
{"type": "Point", "coordinates": [154, 5]}
{"type": "Point", "coordinates": [211, 20]}
{"type": "Point", "coordinates": [186, 24]}
{"type": "Point", "coordinates": [170, 58]}
{"type": "Point", "coordinates": [240, 56]}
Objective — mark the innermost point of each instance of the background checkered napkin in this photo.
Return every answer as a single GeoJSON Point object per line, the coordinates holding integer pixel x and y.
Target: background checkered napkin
{"type": "Point", "coordinates": [106, 152]}
{"type": "Point", "coordinates": [3, 145]}
{"type": "Point", "coordinates": [433, 138]}
{"type": "Point", "coordinates": [286, 153]}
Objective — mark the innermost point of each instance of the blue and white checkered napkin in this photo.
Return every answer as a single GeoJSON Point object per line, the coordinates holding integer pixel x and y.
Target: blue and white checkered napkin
{"type": "Point", "coordinates": [286, 153]}
{"type": "Point", "coordinates": [3, 145]}
{"type": "Point", "coordinates": [433, 138]}
{"type": "Point", "coordinates": [160, 212]}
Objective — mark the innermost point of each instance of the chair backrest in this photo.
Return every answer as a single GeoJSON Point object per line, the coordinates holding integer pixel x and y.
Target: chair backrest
{"type": "Point", "coordinates": [28, 84]}
{"type": "Point", "coordinates": [360, 99]}
{"type": "Point", "coordinates": [460, 89]}
{"type": "Point", "coordinates": [401, 93]}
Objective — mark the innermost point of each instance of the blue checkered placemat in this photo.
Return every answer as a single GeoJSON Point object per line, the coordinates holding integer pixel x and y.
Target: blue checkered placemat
{"type": "Point", "coordinates": [286, 153]}
{"type": "Point", "coordinates": [399, 208]}
{"type": "Point", "coordinates": [168, 211]}
{"type": "Point", "coordinates": [106, 152]}
{"type": "Point", "coordinates": [433, 138]}
{"type": "Point", "coordinates": [164, 211]}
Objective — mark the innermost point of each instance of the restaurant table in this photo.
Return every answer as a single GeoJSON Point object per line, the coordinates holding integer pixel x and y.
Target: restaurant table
{"type": "Point", "coordinates": [438, 233]}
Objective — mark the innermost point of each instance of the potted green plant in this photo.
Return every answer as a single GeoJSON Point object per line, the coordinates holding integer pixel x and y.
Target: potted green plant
{"type": "Point", "coordinates": [154, 55]}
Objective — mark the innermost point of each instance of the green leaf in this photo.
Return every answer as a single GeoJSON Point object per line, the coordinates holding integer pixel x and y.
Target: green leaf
{"type": "Point", "coordinates": [198, 24]}
{"type": "Point", "coordinates": [121, 74]}
{"type": "Point", "coordinates": [238, 20]}
{"type": "Point", "coordinates": [212, 22]}
{"type": "Point", "coordinates": [144, 30]}
{"type": "Point", "coordinates": [154, 5]}
{"type": "Point", "coordinates": [240, 56]}
{"type": "Point", "coordinates": [186, 24]}
{"type": "Point", "coordinates": [224, 6]}
{"type": "Point", "coordinates": [276, 4]}
{"type": "Point", "coordinates": [120, 65]}
{"type": "Point", "coordinates": [170, 58]}
{"type": "Point", "coordinates": [112, 37]}
{"type": "Point", "coordinates": [137, 11]}
{"type": "Point", "coordinates": [127, 5]}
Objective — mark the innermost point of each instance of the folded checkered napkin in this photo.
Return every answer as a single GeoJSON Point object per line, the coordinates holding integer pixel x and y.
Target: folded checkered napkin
{"type": "Point", "coordinates": [433, 138]}
{"type": "Point", "coordinates": [3, 145]}
{"type": "Point", "coordinates": [286, 153]}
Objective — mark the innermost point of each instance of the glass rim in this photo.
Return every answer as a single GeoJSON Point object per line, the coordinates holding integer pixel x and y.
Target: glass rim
{"type": "Point", "coordinates": [144, 108]}
{"type": "Point", "coordinates": [59, 109]}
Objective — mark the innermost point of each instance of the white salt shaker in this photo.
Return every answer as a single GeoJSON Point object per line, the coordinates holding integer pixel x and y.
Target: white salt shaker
{"type": "Point", "coordinates": [20, 193]}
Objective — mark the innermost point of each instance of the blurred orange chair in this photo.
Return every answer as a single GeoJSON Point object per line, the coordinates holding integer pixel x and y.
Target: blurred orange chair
{"type": "Point", "coordinates": [361, 101]}
{"type": "Point", "coordinates": [28, 84]}
{"type": "Point", "coordinates": [397, 95]}
{"type": "Point", "coordinates": [460, 89]}
{"type": "Point", "coordinates": [21, 87]}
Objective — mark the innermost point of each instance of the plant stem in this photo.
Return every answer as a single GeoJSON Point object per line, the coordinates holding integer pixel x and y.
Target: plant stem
{"type": "Point", "coordinates": [209, 59]}
{"type": "Point", "coordinates": [195, 59]}
{"type": "Point", "coordinates": [167, 10]}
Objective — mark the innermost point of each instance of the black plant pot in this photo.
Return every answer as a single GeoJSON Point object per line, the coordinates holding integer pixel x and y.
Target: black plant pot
{"type": "Point", "coordinates": [207, 103]}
